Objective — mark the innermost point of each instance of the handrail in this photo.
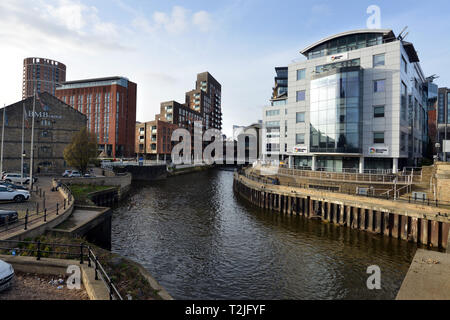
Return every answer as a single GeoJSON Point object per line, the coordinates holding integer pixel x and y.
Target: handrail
{"type": "Point", "coordinates": [44, 214]}
{"type": "Point", "coordinates": [81, 254]}
{"type": "Point", "coordinates": [385, 195]}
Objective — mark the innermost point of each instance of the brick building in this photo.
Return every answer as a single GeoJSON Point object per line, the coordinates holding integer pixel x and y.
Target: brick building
{"type": "Point", "coordinates": [42, 75]}
{"type": "Point", "coordinates": [153, 139]}
{"type": "Point", "coordinates": [55, 123]}
{"type": "Point", "coordinates": [203, 104]}
{"type": "Point", "coordinates": [110, 107]}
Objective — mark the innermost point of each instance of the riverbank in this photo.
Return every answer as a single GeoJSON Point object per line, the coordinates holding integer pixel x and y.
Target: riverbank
{"type": "Point", "coordinates": [131, 280]}
{"type": "Point", "coordinates": [208, 243]}
{"type": "Point", "coordinates": [428, 277]}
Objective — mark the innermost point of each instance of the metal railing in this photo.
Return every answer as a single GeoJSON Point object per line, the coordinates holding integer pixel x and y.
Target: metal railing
{"type": "Point", "coordinates": [40, 213]}
{"type": "Point", "coordinates": [345, 176]}
{"type": "Point", "coordinates": [80, 252]}
{"type": "Point", "coordinates": [385, 194]}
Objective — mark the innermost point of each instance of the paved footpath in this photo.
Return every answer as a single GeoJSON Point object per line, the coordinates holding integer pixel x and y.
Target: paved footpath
{"type": "Point", "coordinates": [428, 277]}
{"type": "Point", "coordinates": [51, 198]}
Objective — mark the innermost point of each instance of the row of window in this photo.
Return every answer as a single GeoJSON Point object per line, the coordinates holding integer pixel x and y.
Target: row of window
{"type": "Point", "coordinates": [377, 60]}
{"type": "Point", "coordinates": [378, 137]}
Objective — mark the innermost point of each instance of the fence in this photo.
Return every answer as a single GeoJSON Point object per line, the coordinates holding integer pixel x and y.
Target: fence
{"type": "Point", "coordinates": [346, 176]}
{"type": "Point", "coordinates": [81, 251]}
{"type": "Point", "coordinates": [38, 214]}
{"type": "Point", "coordinates": [388, 194]}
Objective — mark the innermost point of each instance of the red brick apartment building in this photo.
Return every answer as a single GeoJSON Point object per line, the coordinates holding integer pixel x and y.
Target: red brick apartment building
{"type": "Point", "coordinates": [202, 104]}
{"type": "Point", "coordinates": [42, 75]}
{"type": "Point", "coordinates": [110, 107]}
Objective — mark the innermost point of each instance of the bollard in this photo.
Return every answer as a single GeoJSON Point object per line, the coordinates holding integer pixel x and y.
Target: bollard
{"type": "Point", "coordinates": [37, 208]}
{"type": "Point", "coordinates": [26, 220]}
{"type": "Point", "coordinates": [64, 204]}
{"type": "Point", "coordinates": [39, 250]}
{"type": "Point", "coordinates": [96, 268]}
{"type": "Point", "coordinates": [81, 253]}
{"type": "Point", "coordinates": [6, 222]}
{"type": "Point", "coordinates": [45, 215]}
{"type": "Point", "coordinates": [89, 257]}
{"type": "Point", "coordinates": [57, 208]}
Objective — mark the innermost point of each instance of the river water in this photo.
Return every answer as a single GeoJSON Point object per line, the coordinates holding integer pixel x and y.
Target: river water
{"type": "Point", "coordinates": [200, 240]}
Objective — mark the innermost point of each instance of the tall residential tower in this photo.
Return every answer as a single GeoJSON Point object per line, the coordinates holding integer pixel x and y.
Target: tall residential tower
{"type": "Point", "coordinates": [42, 75]}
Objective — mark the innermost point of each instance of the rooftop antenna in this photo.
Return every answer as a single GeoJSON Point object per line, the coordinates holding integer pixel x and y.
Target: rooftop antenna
{"type": "Point", "coordinates": [400, 35]}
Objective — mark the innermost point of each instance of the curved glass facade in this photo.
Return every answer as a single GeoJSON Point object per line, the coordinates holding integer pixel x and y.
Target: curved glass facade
{"type": "Point", "coordinates": [336, 112]}
{"type": "Point", "coordinates": [345, 43]}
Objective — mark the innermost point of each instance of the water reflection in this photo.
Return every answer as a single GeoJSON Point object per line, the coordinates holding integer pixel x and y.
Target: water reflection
{"type": "Point", "coordinates": [201, 241]}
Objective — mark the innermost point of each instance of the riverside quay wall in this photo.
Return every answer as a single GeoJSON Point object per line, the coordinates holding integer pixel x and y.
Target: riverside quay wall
{"type": "Point", "coordinates": [421, 224]}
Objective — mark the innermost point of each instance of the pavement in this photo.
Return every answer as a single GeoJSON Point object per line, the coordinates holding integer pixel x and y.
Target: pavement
{"type": "Point", "coordinates": [51, 198]}
{"type": "Point", "coordinates": [428, 277]}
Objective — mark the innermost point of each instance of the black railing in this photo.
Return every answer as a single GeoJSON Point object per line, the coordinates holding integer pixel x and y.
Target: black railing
{"type": "Point", "coordinates": [39, 213]}
{"type": "Point", "coordinates": [385, 195]}
{"type": "Point", "coordinates": [80, 252]}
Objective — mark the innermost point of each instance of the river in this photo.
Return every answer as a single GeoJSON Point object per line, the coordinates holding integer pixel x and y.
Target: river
{"type": "Point", "coordinates": [200, 240]}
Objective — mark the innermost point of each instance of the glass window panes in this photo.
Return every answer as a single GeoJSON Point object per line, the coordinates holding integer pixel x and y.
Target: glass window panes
{"type": "Point", "coordinates": [300, 138]}
{"type": "Point", "coordinates": [272, 112]}
{"type": "Point", "coordinates": [301, 95]}
{"type": "Point", "coordinates": [378, 60]}
{"type": "Point", "coordinates": [301, 74]}
{"type": "Point", "coordinates": [378, 137]}
{"type": "Point", "coordinates": [300, 117]}
{"type": "Point", "coordinates": [379, 85]}
{"type": "Point", "coordinates": [378, 111]}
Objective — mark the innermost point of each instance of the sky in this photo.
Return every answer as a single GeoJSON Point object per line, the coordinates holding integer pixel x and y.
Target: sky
{"type": "Point", "coordinates": [162, 45]}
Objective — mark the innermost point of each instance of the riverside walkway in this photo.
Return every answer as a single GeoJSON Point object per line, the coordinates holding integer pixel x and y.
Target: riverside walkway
{"type": "Point", "coordinates": [46, 208]}
{"type": "Point", "coordinates": [419, 223]}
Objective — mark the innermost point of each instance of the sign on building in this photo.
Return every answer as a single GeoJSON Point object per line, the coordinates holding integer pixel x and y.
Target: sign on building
{"type": "Point", "coordinates": [378, 151]}
{"type": "Point", "coordinates": [445, 145]}
{"type": "Point", "coordinates": [300, 149]}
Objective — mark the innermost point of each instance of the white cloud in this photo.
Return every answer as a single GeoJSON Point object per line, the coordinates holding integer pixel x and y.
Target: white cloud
{"type": "Point", "coordinates": [202, 19]}
{"type": "Point", "coordinates": [179, 21]}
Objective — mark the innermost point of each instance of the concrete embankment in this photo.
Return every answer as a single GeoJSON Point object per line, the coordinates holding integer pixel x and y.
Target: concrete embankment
{"type": "Point", "coordinates": [425, 225]}
{"type": "Point", "coordinates": [428, 277]}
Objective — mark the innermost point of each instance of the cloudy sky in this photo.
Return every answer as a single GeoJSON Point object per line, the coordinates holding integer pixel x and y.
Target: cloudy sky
{"type": "Point", "coordinates": [162, 45]}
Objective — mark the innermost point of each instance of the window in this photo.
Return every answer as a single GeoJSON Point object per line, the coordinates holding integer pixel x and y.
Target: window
{"type": "Point", "coordinates": [378, 60]}
{"type": "Point", "coordinates": [378, 137]}
{"type": "Point", "coordinates": [272, 113]}
{"type": "Point", "coordinates": [403, 142]}
{"type": "Point", "coordinates": [300, 138]}
{"type": "Point", "coordinates": [300, 117]}
{"type": "Point", "coordinates": [379, 85]}
{"type": "Point", "coordinates": [272, 123]}
{"type": "Point", "coordinates": [403, 101]}
{"type": "Point", "coordinates": [301, 74]}
{"type": "Point", "coordinates": [45, 134]}
{"type": "Point", "coordinates": [301, 95]}
{"type": "Point", "coordinates": [404, 65]}
{"type": "Point", "coordinates": [378, 111]}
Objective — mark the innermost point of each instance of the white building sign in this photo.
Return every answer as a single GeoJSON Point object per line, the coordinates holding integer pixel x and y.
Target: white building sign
{"type": "Point", "coordinates": [338, 57]}
{"type": "Point", "coordinates": [300, 149]}
{"type": "Point", "coordinates": [378, 151]}
{"type": "Point", "coordinates": [446, 145]}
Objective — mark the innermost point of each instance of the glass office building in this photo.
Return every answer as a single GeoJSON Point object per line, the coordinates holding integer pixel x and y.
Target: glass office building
{"type": "Point", "coordinates": [357, 101]}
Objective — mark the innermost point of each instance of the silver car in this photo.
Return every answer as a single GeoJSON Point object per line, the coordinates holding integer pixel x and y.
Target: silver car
{"type": "Point", "coordinates": [6, 275]}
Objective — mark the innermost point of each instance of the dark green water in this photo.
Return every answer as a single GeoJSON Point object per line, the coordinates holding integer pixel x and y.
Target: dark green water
{"type": "Point", "coordinates": [202, 241]}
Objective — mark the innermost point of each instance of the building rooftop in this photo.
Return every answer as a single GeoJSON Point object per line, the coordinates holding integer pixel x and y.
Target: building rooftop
{"type": "Point", "coordinates": [386, 33]}
{"type": "Point", "coordinates": [95, 82]}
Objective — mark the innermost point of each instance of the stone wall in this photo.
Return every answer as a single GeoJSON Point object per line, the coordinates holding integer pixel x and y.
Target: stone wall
{"type": "Point", "coordinates": [55, 124]}
{"type": "Point", "coordinates": [442, 181]}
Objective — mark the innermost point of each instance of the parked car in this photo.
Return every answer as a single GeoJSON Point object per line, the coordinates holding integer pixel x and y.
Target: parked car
{"type": "Point", "coordinates": [66, 173]}
{"type": "Point", "coordinates": [11, 214]}
{"type": "Point", "coordinates": [75, 174]}
{"type": "Point", "coordinates": [17, 178]}
{"type": "Point", "coordinates": [13, 186]}
{"type": "Point", "coordinates": [13, 194]}
{"type": "Point", "coordinates": [6, 275]}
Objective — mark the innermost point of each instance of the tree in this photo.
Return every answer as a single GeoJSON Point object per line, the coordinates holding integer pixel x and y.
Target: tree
{"type": "Point", "coordinates": [81, 150]}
